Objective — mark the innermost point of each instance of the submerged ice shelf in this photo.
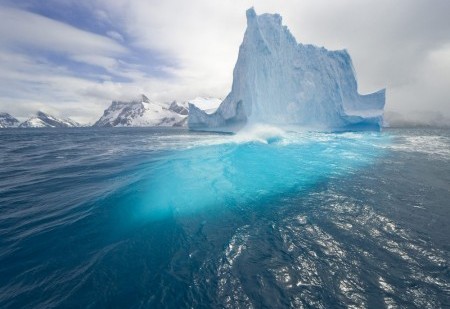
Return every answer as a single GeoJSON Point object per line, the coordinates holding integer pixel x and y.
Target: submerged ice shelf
{"type": "Point", "coordinates": [278, 81]}
{"type": "Point", "coordinates": [256, 165]}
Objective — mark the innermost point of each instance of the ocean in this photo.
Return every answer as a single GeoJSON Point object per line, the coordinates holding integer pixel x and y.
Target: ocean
{"type": "Point", "coordinates": [167, 218]}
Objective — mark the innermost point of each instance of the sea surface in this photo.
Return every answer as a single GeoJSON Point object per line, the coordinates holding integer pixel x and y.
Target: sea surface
{"type": "Point", "coordinates": [167, 218]}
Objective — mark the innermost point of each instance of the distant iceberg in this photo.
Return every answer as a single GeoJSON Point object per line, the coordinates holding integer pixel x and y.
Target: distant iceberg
{"type": "Point", "coordinates": [278, 81]}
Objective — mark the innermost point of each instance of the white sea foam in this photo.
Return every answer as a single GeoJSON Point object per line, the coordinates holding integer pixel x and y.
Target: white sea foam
{"type": "Point", "coordinates": [261, 133]}
{"type": "Point", "coordinates": [433, 145]}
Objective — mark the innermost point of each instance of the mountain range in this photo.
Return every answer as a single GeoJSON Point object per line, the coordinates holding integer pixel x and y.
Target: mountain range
{"type": "Point", "coordinates": [139, 112]}
{"type": "Point", "coordinates": [44, 120]}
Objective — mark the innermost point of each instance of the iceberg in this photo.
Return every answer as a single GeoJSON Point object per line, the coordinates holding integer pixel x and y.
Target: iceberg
{"type": "Point", "coordinates": [281, 82]}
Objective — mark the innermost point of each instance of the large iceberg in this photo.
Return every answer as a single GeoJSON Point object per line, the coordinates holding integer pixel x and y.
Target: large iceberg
{"type": "Point", "coordinates": [278, 81]}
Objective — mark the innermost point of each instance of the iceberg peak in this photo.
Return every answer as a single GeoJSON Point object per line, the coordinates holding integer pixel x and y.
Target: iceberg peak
{"type": "Point", "coordinates": [251, 14]}
{"type": "Point", "coordinates": [280, 82]}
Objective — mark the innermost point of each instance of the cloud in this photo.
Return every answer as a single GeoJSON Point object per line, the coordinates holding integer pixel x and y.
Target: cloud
{"type": "Point", "coordinates": [27, 86]}
{"type": "Point", "coordinates": [50, 65]}
{"type": "Point", "coordinates": [115, 35]}
{"type": "Point", "coordinates": [22, 28]}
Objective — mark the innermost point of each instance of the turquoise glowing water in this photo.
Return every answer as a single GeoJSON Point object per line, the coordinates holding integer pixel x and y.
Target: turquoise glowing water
{"type": "Point", "coordinates": [146, 218]}
{"type": "Point", "coordinates": [249, 169]}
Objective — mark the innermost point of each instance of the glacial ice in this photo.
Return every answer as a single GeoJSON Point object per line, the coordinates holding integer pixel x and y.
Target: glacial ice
{"type": "Point", "coordinates": [278, 81]}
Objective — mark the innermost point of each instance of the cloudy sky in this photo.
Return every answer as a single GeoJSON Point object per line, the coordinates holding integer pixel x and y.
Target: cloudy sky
{"type": "Point", "coordinates": [72, 57]}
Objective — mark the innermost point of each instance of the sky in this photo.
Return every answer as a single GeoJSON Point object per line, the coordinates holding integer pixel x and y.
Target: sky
{"type": "Point", "coordinates": [71, 58]}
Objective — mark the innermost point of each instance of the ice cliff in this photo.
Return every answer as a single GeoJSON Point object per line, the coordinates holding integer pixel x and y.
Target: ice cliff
{"type": "Point", "coordinates": [278, 81]}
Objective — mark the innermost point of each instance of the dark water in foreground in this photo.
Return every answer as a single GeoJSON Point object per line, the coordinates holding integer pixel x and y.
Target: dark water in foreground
{"type": "Point", "coordinates": [149, 218]}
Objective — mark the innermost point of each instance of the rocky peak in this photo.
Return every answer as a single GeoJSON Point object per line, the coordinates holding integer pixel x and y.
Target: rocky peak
{"type": "Point", "coordinates": [8, 121]}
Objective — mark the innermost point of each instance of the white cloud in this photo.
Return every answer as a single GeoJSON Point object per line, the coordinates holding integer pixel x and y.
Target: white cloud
{"type": "Point", "coordinates": [29, 82]}
{"type": "Point", "coordinates": [18, 27]}
{"type": "Point", "coordinates": [201, 36]}
{"type": "Point", "coordinates": [26, 85]}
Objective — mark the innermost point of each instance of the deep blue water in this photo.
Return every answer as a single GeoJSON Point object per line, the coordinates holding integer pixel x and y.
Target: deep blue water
{"type": "Point", "coordinates": [166, 218]}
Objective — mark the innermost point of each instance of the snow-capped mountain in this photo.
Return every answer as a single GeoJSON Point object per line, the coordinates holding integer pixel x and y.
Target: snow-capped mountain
{"type": "Point", "coordinates": [178, 108]}
{"type": "Point", "coordinates": [8, 121]}
{"type": "Point", "coordinates": [142, 112]}
{"type": "Point", "coordinates": [278, 81]}
{"type": "Point", "coordinates": [44, 120]}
